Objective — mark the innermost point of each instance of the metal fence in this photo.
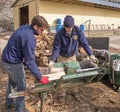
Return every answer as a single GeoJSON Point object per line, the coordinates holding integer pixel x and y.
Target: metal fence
{"type": "Point", "coordinates": [102, 26]}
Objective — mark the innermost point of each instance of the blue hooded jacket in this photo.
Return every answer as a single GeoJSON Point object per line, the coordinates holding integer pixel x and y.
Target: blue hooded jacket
{"type": "Point", "coordinates": [67, 45]}
{"type": "Point", "coordinates": [20, 49]}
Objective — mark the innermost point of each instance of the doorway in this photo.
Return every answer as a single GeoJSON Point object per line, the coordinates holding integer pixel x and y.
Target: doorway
{"type": "Point", "coordinates": [24, 15]}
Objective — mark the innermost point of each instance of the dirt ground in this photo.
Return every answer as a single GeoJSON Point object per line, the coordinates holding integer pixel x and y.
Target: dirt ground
{"type": "Point", "coordinates": [94, 97]}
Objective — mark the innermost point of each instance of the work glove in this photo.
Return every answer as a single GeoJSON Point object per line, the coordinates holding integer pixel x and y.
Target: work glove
{"type": "Point", "coordinates": [94, 59]}
{"type": "Point", "coordinates": [44, 80]}
{"type": "Point", "coordinates": [51, 63]}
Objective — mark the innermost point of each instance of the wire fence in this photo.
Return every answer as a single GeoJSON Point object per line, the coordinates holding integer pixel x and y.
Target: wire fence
{"type": "Point", "coordinates": [102, 27]}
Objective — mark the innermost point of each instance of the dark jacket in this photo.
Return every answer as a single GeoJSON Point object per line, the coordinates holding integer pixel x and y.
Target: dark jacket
{"type": "Point", "coordinates": [20, 49]}
{"type": "Point", "coordinates": [67, 45]}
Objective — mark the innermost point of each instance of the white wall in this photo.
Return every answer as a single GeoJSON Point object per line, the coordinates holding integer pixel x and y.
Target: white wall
{"type": "Point", "coordinates": [52, 11]}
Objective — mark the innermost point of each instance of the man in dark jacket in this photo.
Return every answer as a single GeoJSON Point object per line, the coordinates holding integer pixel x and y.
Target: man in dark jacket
{"type": "Point", "coordinates": [20, 49]}
{"type": "Point", "coordinates": [65, 45]}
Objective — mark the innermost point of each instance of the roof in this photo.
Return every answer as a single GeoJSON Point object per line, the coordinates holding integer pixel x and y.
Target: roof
{"type": "Point", "coordinates": [104, 3]}
{"type": "Point", "coordinates": [94, 3]}
{"type": "Point", "coordinates": [16, 1]}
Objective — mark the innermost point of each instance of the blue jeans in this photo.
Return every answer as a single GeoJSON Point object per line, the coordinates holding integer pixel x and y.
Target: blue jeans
{"type": "Point", "coordinates": [16, 79]}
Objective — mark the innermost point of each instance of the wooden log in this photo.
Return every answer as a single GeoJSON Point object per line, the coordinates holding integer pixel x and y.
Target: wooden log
{"type": "Point", "coordinates": [43, 61]}
{"type": "Point", "coordinates": [52, 73]}
{"type": "Point", "coordinates": [55, 76]}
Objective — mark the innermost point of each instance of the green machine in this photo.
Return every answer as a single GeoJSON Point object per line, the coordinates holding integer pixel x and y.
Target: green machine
{"type": "Point", "coordinates": [70, 74]}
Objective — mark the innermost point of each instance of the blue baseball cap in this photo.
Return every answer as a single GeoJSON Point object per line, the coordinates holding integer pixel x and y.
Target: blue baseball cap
{"type": "Point", "coordinates": [68, 21]}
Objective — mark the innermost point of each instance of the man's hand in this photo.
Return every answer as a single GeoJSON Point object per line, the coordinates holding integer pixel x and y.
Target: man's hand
{"type": "Point", "coordinates": [94, 59]}
{"type": "Point", "coordinates": [44, 80]}
{"type": "Point", "coordinates": [51, 63]}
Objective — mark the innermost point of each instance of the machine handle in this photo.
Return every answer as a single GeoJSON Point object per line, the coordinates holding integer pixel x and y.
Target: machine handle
{"type": "Point", "coordinates": [87, 70]}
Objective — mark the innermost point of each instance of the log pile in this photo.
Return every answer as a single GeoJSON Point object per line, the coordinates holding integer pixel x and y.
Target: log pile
{"type": "Point", "coordinates": [43, 49]}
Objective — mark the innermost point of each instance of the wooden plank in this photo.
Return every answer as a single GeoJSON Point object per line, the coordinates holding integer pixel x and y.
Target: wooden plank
{"type": "Point", "coordinates": [55, 76]}
{"type": "Point", "coordinates": [53, 70]}
{"type": "Point", "coordinates": [52, 73]}
{"type": "Point", "coordinates": [48, 70]}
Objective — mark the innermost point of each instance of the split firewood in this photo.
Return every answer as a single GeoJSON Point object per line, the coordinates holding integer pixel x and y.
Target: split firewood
{"type": "Point", "coordinates": [43, 48]}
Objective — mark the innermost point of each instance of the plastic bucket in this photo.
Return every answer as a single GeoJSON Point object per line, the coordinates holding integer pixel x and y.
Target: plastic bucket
{"type": "Point", "coordinates": [82, 27]}
{"type": "Point", "coordinates": [58, 24]}
{"type": "Point", "coordinates": [59, 21]}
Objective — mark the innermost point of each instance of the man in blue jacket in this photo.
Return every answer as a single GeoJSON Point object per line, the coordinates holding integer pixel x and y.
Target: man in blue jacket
{"type": "Point", "coordinates": [65, 45]}
{"type": "Point", "coordinates": [19, 51]}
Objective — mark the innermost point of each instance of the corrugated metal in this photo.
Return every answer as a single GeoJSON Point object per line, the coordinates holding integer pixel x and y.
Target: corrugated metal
{"type": "Point", "coordinates": [101, 2]}
{"type": "Point", "coordinates": [95, 3]}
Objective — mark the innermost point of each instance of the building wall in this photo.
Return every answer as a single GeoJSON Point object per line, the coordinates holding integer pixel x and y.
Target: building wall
{"type": "Point", "coordinates": [32, 10]}
{"type": "Point", "coordinates": [22, 3]}
{"type": "Point", "coordinates": [16, 17]}
{"type": "Point", "coordinates": [52, 11]}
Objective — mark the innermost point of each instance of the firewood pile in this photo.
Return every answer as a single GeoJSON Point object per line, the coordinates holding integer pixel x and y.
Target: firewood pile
{"type": "Point", "coordinates": [43, 49]}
